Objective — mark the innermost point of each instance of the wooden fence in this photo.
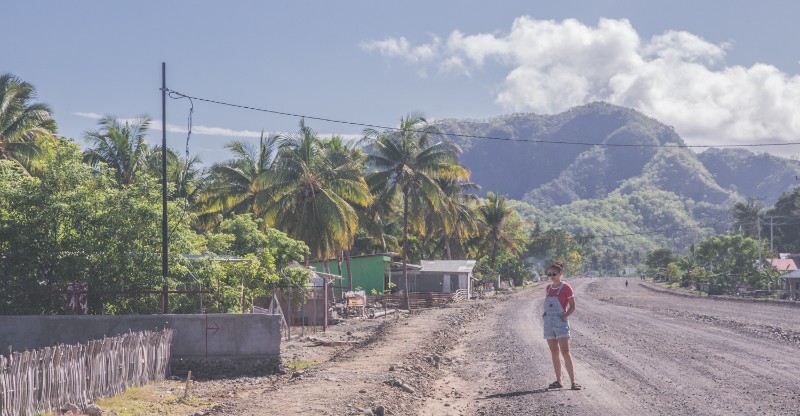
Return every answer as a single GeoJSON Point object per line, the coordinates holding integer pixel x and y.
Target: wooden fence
{"type": "Point", "coordinates": [43, 380]}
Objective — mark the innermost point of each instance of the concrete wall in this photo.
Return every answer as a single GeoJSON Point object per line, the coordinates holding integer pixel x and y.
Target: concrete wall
{"type": "Point", "coordinates": [196, 336]}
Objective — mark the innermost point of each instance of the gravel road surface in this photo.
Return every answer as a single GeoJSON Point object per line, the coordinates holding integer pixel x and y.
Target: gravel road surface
{"type": "Point", "coordinates": [637, 352]}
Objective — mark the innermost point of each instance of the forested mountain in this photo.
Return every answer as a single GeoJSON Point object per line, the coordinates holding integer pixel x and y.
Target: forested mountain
{"type": "Point", "coordinates": [650, 195]}
{"type": "Point", "coordinates": [752, 175]}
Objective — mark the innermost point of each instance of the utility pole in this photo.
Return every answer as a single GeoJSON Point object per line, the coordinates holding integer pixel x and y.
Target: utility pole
{"type": "Point", "coordinates": [164, 236]}
{"type": "Point", "coordinates": [760, 260]}
{"type": "Point", "coordinates": [770, 233]}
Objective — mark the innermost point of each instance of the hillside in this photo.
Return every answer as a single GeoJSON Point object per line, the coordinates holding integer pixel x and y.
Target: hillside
{"type": "Point", "coordinates": [609, 190]}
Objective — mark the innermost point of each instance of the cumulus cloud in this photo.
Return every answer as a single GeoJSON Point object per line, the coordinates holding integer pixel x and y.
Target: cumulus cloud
{"type": "Point", "coordinates": [676, 77]}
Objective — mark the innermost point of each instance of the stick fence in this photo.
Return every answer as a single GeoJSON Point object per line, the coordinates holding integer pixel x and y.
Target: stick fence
{"type": "Point", "coordinates": [43, 380]}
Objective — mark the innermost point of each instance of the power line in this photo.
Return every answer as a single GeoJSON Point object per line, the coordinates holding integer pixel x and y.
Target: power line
{"type": "Point", "coordinates": [469, 136]}
{"type": "Point", "coordinates": [697, 228]}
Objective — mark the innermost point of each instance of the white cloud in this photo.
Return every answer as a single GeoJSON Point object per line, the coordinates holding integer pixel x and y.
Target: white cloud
{"type": "Point", "coordinates": [94, 116]}
{"type": "Point", "coordinates": [401, 48]}
{"type": "Point", "coordinates": [214, 131]}
{"type": "Point", "coordinates": [677, 77]}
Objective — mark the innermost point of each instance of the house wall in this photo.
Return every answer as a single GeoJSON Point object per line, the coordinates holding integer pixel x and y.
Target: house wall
{"type": "Point", "coordinates": [369, 272]}
{"type": "Point", "coordinates": [421, 281]}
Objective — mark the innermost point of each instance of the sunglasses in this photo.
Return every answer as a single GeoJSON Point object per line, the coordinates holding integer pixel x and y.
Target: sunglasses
{"type": "Point", "coordinates": [551, 274]}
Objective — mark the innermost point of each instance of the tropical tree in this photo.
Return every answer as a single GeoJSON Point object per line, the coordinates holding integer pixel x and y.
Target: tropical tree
{"type": "Point", "coordinates": [23, 124]}
{"type": "Point", "coordinates": [234, 184]}
{"type": "Point", "coordinates": [787, 234]}
{"type": "Point", "coordinates": [746, 216]}
{"type": "Point", "coordinates": [499, 227]}
{"type": "Point", "coordinates": [455, 221]}
{"type": "Point", "coordinates": [407, 162]}
{"type": "Point", "coordinates": [120, 145]}
{"type": "Point", "coordinates": [311, 199]}
{"type": "Point", "coordinates": [733, 259]}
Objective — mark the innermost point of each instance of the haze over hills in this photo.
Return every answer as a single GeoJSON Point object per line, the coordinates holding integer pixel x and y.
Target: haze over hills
{"type": "Point", "coordinates": [653, 188]}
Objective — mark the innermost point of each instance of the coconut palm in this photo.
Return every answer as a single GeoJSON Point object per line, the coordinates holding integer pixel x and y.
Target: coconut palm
{"type": "Point", "coordinates": [23, 124]}
{"type": "Point", "coordinates": [312, 199]}
{"type": "Point", "coordinates": [407, 163]}
{"type": "Point", "coordinates": [456, 219]}
{"type": "Point", "coordinates": [234, 184]}
{"type": "Point", "coordinates": [498, 225]}
{"type": "Point", "coordinates": [120, 145]}
{"type": "Point", "coordinates": [746, 216]}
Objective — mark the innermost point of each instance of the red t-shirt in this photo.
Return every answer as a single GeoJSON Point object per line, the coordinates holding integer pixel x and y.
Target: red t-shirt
{"type": "Point", "coordinates": [563, 297]}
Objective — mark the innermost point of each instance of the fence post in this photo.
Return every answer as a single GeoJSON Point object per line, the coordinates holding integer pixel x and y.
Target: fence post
{"type": "Point", "coordinates": [164, 300]}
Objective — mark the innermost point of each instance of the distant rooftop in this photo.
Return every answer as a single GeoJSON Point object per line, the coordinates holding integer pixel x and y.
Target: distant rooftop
{"type": "Point", "coordinates": [783, 264]}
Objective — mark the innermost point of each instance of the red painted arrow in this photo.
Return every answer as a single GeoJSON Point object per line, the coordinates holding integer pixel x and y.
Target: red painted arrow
{"type": "Point", "coordinates": [215, 328]}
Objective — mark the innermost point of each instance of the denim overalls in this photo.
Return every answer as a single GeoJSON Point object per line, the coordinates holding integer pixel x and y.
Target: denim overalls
{"type": "Point", "coordinates": [554, 327]}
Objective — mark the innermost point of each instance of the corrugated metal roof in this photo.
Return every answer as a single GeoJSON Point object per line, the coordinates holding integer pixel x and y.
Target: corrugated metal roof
{"type": "Point", "coordinates": [452, 266]}
{"type": "Point", "coordinates": [793, 275]}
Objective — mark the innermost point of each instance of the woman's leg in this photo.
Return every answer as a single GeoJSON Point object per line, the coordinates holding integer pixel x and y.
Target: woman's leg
{"type": "Point", "coordinates": [553, 344]}
{"type": "Point", "coordinates": [563, 343]}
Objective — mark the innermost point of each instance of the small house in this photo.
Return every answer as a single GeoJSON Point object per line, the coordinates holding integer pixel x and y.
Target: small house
{"type": "Point", "coordinates": [440, 276]}
{"type": "Point", "coordinates": [369, 272]}
{"type": "Point", "coordinates": [792, 283]}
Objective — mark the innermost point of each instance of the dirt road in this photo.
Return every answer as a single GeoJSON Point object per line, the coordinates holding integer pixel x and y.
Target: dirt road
{"type": "Point", "coordinates": [637, 352]}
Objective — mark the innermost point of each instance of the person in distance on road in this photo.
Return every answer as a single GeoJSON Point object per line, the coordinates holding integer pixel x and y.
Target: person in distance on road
{"type": "Point", "coordinates": [559, 304]}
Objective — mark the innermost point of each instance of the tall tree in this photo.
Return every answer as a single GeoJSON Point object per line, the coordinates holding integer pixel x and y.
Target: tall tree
{"type": "Point", "coordinates": [499, 227]}
{"type": "Point", "coordinates": [746, 217]}
{"type": "Point", "coordinates": [23, 124]}
{"type": "Point", "coordinates": [234, 184]}
{"type": "Point", "coordinates": [120, 145]}
{"type": "Point", "coordinates": [456, 219]}
{"type": "Point", "coordinates": [313, 200]}
{"type": "Point", "coordinates": [408, 161]}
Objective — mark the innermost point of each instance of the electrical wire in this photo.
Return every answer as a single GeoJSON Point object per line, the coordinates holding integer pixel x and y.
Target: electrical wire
{"type": "Point", "coordinates": [699, 227]}
{"type": "Point", "coordinates": [470, 136]}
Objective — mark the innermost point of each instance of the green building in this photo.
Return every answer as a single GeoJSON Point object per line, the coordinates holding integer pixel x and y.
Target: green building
{"type": "Point", "coordinates": [370, 272]}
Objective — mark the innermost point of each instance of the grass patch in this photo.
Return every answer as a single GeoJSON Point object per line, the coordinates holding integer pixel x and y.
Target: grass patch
{"type": "Point", "coordinates": [154, 399]}
{"type": "Point", "coordinates": [300, 365]}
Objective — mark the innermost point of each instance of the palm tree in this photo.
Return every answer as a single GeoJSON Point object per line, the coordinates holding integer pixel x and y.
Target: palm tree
{"type": "Point", "coordinates": [746, 216]}
{"type": "Point", "coordinates": [498, 224]}
{"type": "Point", "coordinates": [456, 219]}
{"type": "Point", "coordinates": [234, 184]}
{"type": "Point", "coordinates": [408, 162]}
{"type": "Point", "coordinates": [22, 123]}
{"type": "Point", "coordinates": [122, 146]}
{"type": "Point", "coordinates": [313, 200]}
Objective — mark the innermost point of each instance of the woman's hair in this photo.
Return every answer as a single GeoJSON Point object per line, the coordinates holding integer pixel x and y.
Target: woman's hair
{"type": "Point", "coordinates": [557, 265]}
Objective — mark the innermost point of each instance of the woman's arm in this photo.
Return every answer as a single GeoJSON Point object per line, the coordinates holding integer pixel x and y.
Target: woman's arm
{"type": "Point", "coordinates": [570, 309]}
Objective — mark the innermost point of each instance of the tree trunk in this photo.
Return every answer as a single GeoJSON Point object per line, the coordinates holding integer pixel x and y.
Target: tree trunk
{"type": "Point", "coordinates": [405, 248]}
{"type": "Point", "coordinates": [349, 270]}
{"type": "Point", "coordinates": [491, 263]}
{"type": "Point", "coordinates": [325, 267]}
{"type": "Point", "coordinates": [447, 247]}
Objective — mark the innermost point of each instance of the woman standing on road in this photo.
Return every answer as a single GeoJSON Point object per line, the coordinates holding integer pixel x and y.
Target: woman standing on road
{"type": "Point", "coordinates": [559, 304]}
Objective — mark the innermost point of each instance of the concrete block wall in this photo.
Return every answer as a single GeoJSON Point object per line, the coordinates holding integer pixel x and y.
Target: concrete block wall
{"type": "Point", "coordinates": [223, 336]}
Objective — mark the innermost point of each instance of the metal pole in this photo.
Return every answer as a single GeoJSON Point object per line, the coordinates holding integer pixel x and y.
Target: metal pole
{"type": "Point", "coordinates": [164, 237]}
{"type": "Point", "coordinates": [770, 233]}
{"type": "Point", "coordinates": [325, 297]}
{"type": "Point", "coordinates": [760, 261]}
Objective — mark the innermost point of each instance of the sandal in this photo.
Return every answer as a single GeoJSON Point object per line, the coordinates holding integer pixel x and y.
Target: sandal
{"type": "Point", "coordinates": [576, 386]}
{"type": "Point", "coordinates": [555, 385]}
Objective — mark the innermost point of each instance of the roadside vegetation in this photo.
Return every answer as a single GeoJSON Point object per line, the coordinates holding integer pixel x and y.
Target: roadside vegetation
{"type": "Point", "coordinates": [92, 214]}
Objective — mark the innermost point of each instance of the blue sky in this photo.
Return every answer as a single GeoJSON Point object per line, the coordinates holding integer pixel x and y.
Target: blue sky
{"type": "Point", "coordinates": [720, 72]}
